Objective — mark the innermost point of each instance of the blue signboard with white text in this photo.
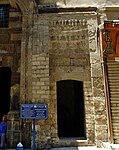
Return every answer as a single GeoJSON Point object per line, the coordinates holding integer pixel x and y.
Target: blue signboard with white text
{"type": "Point", "coordinates": [34, 111]}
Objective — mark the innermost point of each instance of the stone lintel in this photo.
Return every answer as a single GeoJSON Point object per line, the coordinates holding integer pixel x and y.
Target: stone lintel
{"type": "Point", "coordinates": [74, 9]}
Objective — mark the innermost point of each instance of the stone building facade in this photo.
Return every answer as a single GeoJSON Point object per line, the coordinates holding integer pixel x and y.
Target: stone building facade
{"type": "Point", "coordinates": [53, 50]}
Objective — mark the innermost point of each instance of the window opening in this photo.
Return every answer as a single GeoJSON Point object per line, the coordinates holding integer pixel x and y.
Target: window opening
{"type": "Point", "coordinates": [4, 16]}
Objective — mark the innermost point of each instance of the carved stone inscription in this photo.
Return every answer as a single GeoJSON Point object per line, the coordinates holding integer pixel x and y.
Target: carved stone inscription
{"type": "Point", "coordinates": [57, 61]}
{"type": "Point", "coordinates": [69, 42]}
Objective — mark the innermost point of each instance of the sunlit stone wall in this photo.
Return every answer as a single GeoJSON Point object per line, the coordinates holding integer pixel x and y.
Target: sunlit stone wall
{"type": "Point", "coordinates": [64, 47]}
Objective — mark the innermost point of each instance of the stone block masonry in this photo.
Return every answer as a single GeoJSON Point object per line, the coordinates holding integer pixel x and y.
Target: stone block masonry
{"type": "Point", "coordinates": [62, 48]}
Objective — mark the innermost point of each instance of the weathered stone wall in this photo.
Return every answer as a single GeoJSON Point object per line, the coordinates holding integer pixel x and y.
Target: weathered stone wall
{"type": "Point", "coordinates": [62, 46]}
{"type": "Point", "coordinates": [10, 52]}
{"type": "Point", "coordinates": [56, 47]}
{"type": "Point", "coordinates": [100, 116]}
{"type": "Point", "coordinates": [69, 58]}
{"type": "Point", "coordinates": [11, 55]}
{"type": "Point", "coordinates": [59, 47]}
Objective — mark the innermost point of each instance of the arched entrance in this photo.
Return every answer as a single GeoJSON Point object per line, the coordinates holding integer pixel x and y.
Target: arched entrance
{"type": "Point", "coordinates": [70, 109]}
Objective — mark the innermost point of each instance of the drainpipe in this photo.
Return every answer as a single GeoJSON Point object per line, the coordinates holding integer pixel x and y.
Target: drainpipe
{"type": "Point", "coordinates": [106, 89]}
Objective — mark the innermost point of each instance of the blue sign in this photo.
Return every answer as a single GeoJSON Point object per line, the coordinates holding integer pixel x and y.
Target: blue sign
{"type": "Point", "coordinates": [34, 111]}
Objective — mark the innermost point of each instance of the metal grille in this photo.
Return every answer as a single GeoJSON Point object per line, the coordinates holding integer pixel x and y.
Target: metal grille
{"type": "Point", "coordinates": [4, 16]}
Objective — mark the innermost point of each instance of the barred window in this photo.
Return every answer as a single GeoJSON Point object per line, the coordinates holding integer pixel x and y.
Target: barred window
{"type": "Point", "coordinates": [4, 16]}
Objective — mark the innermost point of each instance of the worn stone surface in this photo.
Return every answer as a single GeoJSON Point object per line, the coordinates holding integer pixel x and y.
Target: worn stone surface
{"type": "Point", "coordinates": [69, 58]}
{"type": "Point", "coordinates": [10, 50]}
{"type": "Point", "coordinates": [52, 47]}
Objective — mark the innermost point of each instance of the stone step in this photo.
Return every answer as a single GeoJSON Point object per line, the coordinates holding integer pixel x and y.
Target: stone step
{"type": "Point", "coordinates": [79, 148]}
{"type": "Point", "coordinates": [114, 146]}
{"type": "Point", "coordinates": [72, 148]}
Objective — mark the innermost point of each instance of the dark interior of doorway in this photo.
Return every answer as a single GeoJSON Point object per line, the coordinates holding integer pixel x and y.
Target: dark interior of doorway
{"type": "Point", "coordinates": [5, 82]}
{"type": "Point", "coordinates": [70, 109]}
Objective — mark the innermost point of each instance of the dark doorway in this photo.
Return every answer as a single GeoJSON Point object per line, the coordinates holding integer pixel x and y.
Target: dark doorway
{"type": "Point", "coordinates": [70, 109]}
{"type": "Point", "coordinates": [5, 82]}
